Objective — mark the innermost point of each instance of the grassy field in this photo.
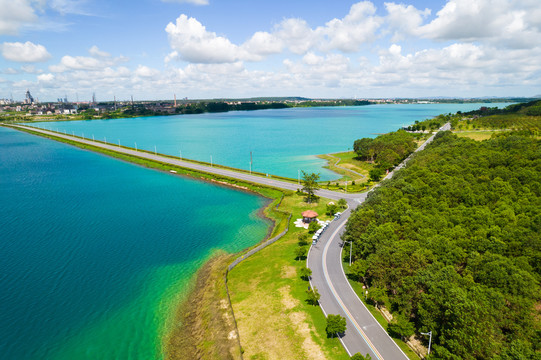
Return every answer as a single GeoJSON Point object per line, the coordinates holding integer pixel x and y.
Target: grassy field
{"type": "Point", "coordinates": [475, 135]}
{"type": "Point", "coordinates": [353, 167]}
{"type": "Point", "coordinates": [269, 300]}
{"type": "Point", "coordinates": [501, 122]}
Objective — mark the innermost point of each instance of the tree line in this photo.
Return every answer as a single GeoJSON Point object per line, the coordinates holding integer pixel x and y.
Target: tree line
{"type": "Point", "coordinates": [386, 151]}
{"type": "Point", "coordinates": [452, 245]}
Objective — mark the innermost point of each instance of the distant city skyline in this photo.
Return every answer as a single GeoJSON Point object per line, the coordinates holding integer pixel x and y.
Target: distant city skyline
{"type": "Point", "coordinates": [230, 49]}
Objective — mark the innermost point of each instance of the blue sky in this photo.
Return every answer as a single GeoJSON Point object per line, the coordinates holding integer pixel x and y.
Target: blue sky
{"type": "Point", "coordinates": [152, 49]}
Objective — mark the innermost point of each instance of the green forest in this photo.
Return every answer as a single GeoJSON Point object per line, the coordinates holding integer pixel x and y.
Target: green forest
{"type": "Point", "coordinates": [386, 150]}
{"type": "Point", "coordinates": [451, 244]}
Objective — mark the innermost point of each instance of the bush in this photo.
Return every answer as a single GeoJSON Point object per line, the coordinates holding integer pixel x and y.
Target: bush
{"type": "Point", "coordinates": [331, 209]}
{"type": "Point", "coordinates": [303, 239]}
{"type": "Point", "coordinates": [336, 324]}
{"type": "Point", "coordinates": [306, 273]}
{"type": "Point", "coordinates": [300, 252]}
{"type": "Point", "coordinates": [358, 356]}
{"type": "Point", "coordinates": [401, 327]}
{"type": "Point", "coordinates": [313, 296]}
{"type": "Point", "coordinates": [313, 227]}
{"type": "Point", "coordinates": [376, 174]}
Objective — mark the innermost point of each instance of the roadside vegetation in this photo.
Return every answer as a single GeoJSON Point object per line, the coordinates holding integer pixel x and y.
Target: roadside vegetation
{"type": "Point", "coordinates": [452, 245]}
{"type": "Point", "coordinates": [277, 315]}
{"type": "Point", "coordinates": [525, 117]}
{"type": "Point", "coordinates": [371, 159]}
{"type": "Point", "coordinates": [385, 151]}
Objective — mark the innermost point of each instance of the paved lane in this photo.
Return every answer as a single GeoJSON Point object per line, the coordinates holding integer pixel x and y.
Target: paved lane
{"type": "Point", "coordinates": [364, 334]}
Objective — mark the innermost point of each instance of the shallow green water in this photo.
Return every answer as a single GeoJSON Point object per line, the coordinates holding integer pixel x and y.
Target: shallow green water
{"type": "Point", "coordinates": [96, 252]}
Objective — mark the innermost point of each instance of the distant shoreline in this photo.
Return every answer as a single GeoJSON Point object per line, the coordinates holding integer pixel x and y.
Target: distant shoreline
{"type": "Point", "coordinates": [120, 110]}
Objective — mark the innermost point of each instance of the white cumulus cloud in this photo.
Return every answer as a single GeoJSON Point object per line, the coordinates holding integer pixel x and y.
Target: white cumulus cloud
{"type": "Point", "coordinates": [505, 23]}
{"type": "Point", "coordinates": [46, 78]}
{"type": "Point", "coordinates": [15, 14]}
{"type": "Point", "coordinates": [95, 51]}
{"type": "Point", "coordinates": [99, 60]}
{"type": "Point", "coordinates": [25, 52]}
{"type": "Point", "coordinates": [359, 26]}
{"type": "Point", "coordinates": [145, 71]}
{"type": "Point", "coordinates": [194, 43]}
{"type": "Point", "coordinates": [263, 43]}
{"type": "Point", "coordinates": [297, 34]}
{"type": "Point", "coordinates": [404, 20]}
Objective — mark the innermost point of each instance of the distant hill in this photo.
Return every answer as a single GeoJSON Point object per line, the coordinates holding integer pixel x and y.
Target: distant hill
{"type": "Point", "coordinates": [531, 108]}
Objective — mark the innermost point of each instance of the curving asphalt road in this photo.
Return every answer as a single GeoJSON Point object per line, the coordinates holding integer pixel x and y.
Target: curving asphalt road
{"type": "Point", "coordinates": [363, 334]}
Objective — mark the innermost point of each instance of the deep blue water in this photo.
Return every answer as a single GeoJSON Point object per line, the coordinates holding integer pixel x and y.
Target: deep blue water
{"type": "Point", "coordinates": [281, 141]}
{"type": "Point", "coordinates": [94, 251]}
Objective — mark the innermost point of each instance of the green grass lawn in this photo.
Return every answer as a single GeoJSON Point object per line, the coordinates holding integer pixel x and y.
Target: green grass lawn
{"type": "Point", "coordinates": [475, 135]}
{"type": "Point", "coordinates": [353, 167]}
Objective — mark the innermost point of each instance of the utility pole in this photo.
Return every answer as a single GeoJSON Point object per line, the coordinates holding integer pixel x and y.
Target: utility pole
{"type": "Point", "coordinates": [429, 340]}
{"type": "Point", "coordinates": [350, 249]}
{"type": "Point", "coordinates": [155, 151]}
{"type": "Point", "coordinates": [180, 153]}
{"type": "Point", "coordinates": [136, 146]}
{"type": "Point", "coordinates": [210, 160]}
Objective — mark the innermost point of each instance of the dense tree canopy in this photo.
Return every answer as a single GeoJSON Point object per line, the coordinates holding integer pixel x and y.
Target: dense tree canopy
{"type": "Point", "coordinates": [386, 150]}
{"type": "Point", "coordinates": [454, 243]}
{"type": "Point", "coordinates": [336, 324]}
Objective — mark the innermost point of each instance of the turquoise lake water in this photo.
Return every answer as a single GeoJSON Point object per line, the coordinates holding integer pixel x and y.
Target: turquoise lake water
{"type": "Point", "coordinates": [281, 141]}
{"type": "Point", "coordinates": [96, 251]}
